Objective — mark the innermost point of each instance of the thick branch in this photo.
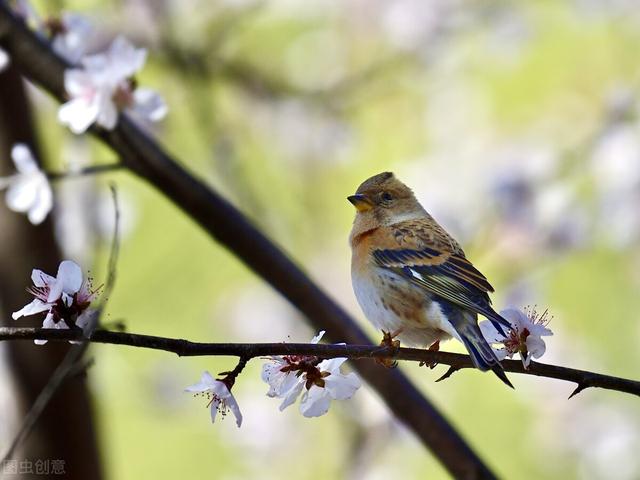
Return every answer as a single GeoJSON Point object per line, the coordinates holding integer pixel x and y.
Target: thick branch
{"type": "Point", "coordinates": [457, 361]}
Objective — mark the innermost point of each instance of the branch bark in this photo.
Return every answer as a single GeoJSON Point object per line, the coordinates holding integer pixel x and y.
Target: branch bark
{"type": "Point", "coordinates": [457, 361]}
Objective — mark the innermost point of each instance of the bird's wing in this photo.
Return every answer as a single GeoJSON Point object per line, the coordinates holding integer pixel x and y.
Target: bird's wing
{"type": "Point", "coordinates": [448, 275]}
{"type": "Point", "coordinates": [440, 268]}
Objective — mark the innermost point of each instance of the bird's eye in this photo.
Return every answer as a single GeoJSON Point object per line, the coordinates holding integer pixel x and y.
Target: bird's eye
{"type": "Point", "coordinates": [386, 196]}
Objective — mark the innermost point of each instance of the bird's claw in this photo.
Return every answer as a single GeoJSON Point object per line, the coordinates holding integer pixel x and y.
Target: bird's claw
{"type": "Point", "coordinates": [389, 342]}
{"type": "Point", "coordinates": [435, 346]}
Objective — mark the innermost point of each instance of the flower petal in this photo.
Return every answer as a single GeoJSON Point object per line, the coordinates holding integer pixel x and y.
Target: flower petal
{"type": "Point", "coordinates": [78, 114]}
{"type": "Point", "coordinates": [22, 194]}
{"type": "Point", "coordinates": [4, 59]}
{"type": "Point", "coordinates": [148, 105]}
{"type": "Point", "coordinates": [538, 330]}
{"type": "Point", "coordinates": [36, 306]}
{"type": "Point", "coordinates": [342, 387]}
{"type": "Point", "coordinates": [41, 279]}
{"type": "Point", "coordinates": [490, 333]}
{"type": "Point", "coordinates": [516, 317]}
{"type": "Point", "coordinates": [318, 337]}
{"type": "Point", "coordinates": [107, 112]}
{"type": "Point", "coordinates": [215, 403]}
{"type": "Point", "coordinates": [70, 275]}
{"type": "Point", "coordinates": [87, 321]}
{"type": "Point", "coordinates": [23, 159]}
{"type": "Point", "coordinates": [79, 83]}
{"type": "Point", "coordinates": [274, 377]}
{"type": "Point", "coordinates": [43, 202]}
{"type": "Point", "coordinates": [206, 383]}
{"type": "Point", "coordinates": [232, 404]}
{"type": "Point", "coordinates": [315, 402]}
{"type": "Point", "coordinates": [536, 346]}
{"type": "Point", "coordinates": [331, 365]}
{"type": "Point", "coordinates": [291, 395]}
{"type": "Point", "coordinates": [71, 44]}
{"type": "Point", "coordinates": [125, 58]}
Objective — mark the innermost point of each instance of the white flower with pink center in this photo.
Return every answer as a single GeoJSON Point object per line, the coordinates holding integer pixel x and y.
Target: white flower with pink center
{"type": "Point", "coordinates": [221, 400]}
{"type": "Point", "coordinates": [105, 86]}
{"type": "Point", "coordinates": [525, 336]}
{"type": "Point", "coordinates": [321, 381]}
{"type": "Point", "coordinates": [64, 297]}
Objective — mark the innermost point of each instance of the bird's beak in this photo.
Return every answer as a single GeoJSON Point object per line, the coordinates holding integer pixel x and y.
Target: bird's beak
{"type": "Point", "coordinates": [361, 202]}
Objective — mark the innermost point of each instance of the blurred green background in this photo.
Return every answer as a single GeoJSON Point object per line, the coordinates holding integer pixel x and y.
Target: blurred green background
{"type": "Point", "coordinates": [516, 123]}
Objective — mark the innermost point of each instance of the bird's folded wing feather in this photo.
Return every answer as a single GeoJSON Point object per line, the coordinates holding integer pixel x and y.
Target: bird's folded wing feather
{"type": "Point", "coordinates": [446, 274]}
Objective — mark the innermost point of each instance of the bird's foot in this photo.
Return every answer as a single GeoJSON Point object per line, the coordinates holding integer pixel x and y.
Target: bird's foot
{"type": "Point", "coordinates": [435, 346]}
{"type": "Point", "coordinates": [389, 342]}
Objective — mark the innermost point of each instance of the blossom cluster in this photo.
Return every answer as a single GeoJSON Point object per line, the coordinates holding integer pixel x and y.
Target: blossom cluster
{"type": "Point", "coordinates": [65, 298]}
{"type": "Point", "coordinates": [104, 86]}
{"type": "Point", "coordinates": [101, 84]}
{"type": "Point", "coordinates": [321, 381]}
{"type": "Point", "coordinates": [287, 376]}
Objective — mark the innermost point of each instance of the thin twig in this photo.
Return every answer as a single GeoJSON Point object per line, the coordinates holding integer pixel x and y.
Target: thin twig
{"type": "Point", "coordinates": [83, 172]}
{"type": "Point", "coordinates": [457, 361]}
{"type": "Point", "coordinates": [115, 250]}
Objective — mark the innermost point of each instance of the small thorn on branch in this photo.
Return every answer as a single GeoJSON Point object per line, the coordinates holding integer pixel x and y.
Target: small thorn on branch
{"type": "Point", "coordinates": [579, 388]}
{"type": "Point", "coordinates": [450, 371]}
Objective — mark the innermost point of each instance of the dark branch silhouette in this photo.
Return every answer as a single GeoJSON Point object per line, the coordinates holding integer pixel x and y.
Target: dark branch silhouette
{"type": "Point", "coordinates": [224, 223]}
{"type": "Point", "coordinates": [456, 361]}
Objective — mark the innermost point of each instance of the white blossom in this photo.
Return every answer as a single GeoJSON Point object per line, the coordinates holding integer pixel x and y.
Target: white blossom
{"type": "Point", "coordinates": [220, 397]}
{"type": "Point", "coordinates": [28, 191]}
{"type": "Point", "coordinates": [321, 381]}
{"type": "Point", "coordinates": [104, 86]}
{"type": "Point", "coordinates": [64, 297]}
{"type": "Point", "coordinates": [524, 338]}
{"type": "Point", "coordinates": [284, 381]}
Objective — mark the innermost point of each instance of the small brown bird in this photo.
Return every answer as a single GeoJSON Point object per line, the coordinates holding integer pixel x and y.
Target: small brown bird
{"type": "Point", "coordinates": [412, 278]}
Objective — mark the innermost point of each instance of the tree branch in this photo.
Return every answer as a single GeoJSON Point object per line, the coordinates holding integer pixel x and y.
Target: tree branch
{"type": "Point", "coordinates": [457, 361]}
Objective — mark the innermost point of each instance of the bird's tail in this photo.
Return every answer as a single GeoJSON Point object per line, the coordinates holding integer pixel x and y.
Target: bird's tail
{"type": "Point", "coordinates": [482, 355]}
{"type": "Point", "coordinates": [498, 321]}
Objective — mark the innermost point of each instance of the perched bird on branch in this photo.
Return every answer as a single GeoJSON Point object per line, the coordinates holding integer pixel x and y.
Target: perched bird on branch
{"type": "Point", "coordinates": [412, 279]}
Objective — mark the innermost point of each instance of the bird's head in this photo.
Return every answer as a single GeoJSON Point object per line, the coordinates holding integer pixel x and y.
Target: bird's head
{"type": "Point", "coordinates": [384, 200]}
